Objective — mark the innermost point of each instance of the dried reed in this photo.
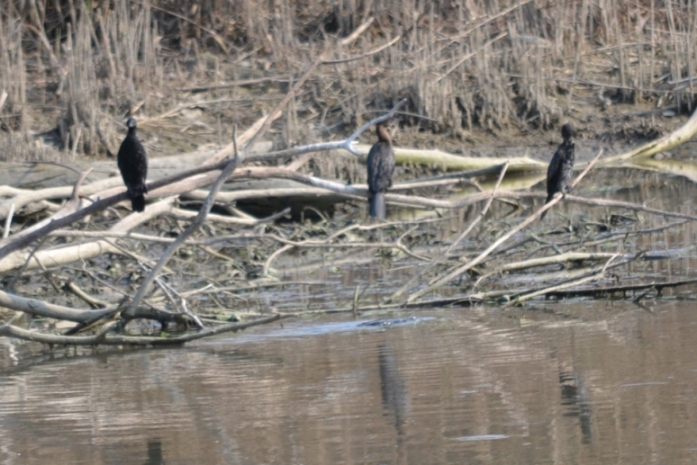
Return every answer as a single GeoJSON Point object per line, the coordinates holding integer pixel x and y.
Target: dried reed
{"type": "Point", "coordinates": [479, 64]}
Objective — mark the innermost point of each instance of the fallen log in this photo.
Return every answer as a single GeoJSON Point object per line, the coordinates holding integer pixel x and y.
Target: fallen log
{"type": "Point", "coordinates": [44, 175]}
{"type": "Point", "coordinates": [8, 330]}
{"type": "Point", "coordinates": [667, 142]}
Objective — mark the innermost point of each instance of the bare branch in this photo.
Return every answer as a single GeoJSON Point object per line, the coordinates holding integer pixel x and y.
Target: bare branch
{"type": "Point", "coordinates": [110, 339]}
{"type": "Point", "coordinates": [478, 259]}
{"type": "Point", "coordinates": [459, 239]}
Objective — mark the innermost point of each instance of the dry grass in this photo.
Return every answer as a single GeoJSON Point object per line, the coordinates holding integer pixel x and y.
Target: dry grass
{"type": "Point", "coordinates": [82, 67]}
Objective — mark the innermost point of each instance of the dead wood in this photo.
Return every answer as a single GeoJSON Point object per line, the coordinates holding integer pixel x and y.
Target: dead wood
{"type": "Point", "coordinates": [85, 250]}
{"type": "Point", "coordinates": [40, 308]}
{"type": "Point", "coordinates": [71, 206]}
{"type": "Point", "coordinates": [200, 264]}
{"type": "Point", "coordinates": [46, 309]}
{"type": "Point", "coordinates": [14, 244]}
{"type": "Point", "coordinates": [9, 330]}
{"type": "Point", "coordinates": [593, 275]}
{"type": "Point", "coordinates": [669, 141]}
{"type": "Point", "coordinates": [440, 281]}
{"type": "Point", "coordinates": [605, 291]}
{"type": "Point", "coordinates": [459, 239]}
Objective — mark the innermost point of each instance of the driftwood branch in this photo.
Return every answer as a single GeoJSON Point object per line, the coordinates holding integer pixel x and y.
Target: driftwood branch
{"type": "Point", "coordinates": [198, 221]}
{"type": "Point", "coordinates": [594, 275]}
{"type": "Point", "coordinates": [439, 282]}
{"type": "Point", "coordinates": [459, 239]}
{"type": "Point", "coordinates": [546, 261]}
{"type": "Point", "coordinates": [228, 275]}
{"type": "Point", "coordinates": [84, 250]}
{"type": "Point", "coordinates": [222, 178]}
{"type": "Point", "coordinates": [12, 245]}
{"type": "Point", "coordinates": [8, 330]}
{"type": "Point", "coordinates": [670, 141]}
{"type": "Point", "coordinates": [603, 292]}
{"type": "Point", "coordinates": [47, 310]}
{"type": "Point", "coordinates": [346, 144]}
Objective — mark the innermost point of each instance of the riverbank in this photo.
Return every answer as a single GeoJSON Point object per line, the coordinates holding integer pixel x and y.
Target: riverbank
{"type": "Point", "coordinates": [480, 76]}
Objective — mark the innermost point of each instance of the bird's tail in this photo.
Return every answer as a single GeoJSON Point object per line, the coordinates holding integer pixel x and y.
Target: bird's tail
{"type": "Point", "coordinates": [138, 203]}
{"type": "Point", "coordinates": [377, 205]}
{"type": "Point", "coordinates": [549, 198]}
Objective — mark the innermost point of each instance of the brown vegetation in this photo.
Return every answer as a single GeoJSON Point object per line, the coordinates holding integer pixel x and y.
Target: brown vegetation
{"type": "Point", "coordinates": [73, 70]}
{"type": "Point", "coordinates": [70, 72]}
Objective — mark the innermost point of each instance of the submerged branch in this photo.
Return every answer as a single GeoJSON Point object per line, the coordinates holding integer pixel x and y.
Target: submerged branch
{"type": "Point", "coordinates": [9, 330]}
{"type": "Point", "coordinates": [441, 281]}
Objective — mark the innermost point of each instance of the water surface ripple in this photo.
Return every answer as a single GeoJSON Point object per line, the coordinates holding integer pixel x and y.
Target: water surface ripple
{"type": "Point", "coordinates": [598, 383]}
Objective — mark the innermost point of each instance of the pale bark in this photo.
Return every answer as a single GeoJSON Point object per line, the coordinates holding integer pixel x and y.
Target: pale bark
{"type": "Point", "coordinates": [667, 142]}
{"type": "Point", "coordinates": [46, 309]}
{"type": "Point", "coordinates": [86, 250]}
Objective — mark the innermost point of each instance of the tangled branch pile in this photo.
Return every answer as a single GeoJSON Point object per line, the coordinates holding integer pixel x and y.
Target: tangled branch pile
{"type": "Point", "coordinates": [221, 268]}
{"type": "Point", "coordinates": [100, 275]}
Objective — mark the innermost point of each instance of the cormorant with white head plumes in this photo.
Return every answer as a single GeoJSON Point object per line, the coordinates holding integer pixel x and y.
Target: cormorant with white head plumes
{"type": "Point", "coordinates": [380, 169]}
{"type": "Point", "coordinates": [561, 166]}
{"type": "Point", "coordinates": [133, 164]}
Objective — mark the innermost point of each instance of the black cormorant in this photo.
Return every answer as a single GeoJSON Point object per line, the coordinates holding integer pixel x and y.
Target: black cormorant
{"type": "Point", "coordinates": [133, 164]}
{"type": "Point", "coordinates": [380, 169]}
{"type": "Point", "coordinates": [561, 166]}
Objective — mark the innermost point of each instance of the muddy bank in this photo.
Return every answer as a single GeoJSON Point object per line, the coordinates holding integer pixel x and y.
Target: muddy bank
{"type": "Point", "coordinates": [479, 86]}
{"type": "Point", "coordinates": [488, 76]}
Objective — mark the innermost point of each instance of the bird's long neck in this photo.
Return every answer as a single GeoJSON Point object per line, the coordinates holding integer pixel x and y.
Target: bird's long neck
{"type": "Point", "coordinates": [132, 132]}
{"type": "Point", "coordinates": [383, 135]}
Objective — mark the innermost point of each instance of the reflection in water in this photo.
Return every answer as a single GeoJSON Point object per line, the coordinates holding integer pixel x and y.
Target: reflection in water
{"type": "Point", "coordinates": [574, 394]}
{"type": "Point", "coordinates": [471, 386]}
{"type": "Point", "coordinates": [395, 397]}
{"type": "Point", "coordinates": [575, 398]}
{"type": "Point", "coordinates": [154, 453]}
{"type": "Point", "coordinates": [666, 166]}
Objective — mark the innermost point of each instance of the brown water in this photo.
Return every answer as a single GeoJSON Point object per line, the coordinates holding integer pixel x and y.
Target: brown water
{"type": "Point", "coordinates": [583, 383]}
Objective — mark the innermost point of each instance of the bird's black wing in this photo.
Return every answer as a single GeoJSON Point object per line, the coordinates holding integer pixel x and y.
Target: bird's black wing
{"type": "Point", "coordinates": [567, 167]}
{"type": "Point", "coordinates": [560, 169]}
{"type": "Point", "coordinates": [133, 164]}
{"type": "Point", "coordinates": [380, 167]}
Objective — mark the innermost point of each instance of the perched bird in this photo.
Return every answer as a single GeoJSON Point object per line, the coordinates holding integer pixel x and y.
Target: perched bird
{"type": "Point", "coordinates": [380, 169]}
{"type": "Point", "coordinates": [561, 166]}
{"type": "Point", "coordinates": [133, 164]}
